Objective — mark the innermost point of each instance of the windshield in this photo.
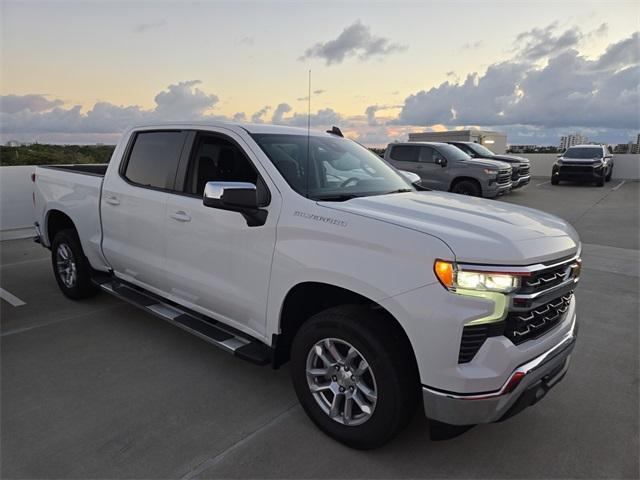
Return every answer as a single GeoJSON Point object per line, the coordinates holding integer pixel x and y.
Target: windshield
{"type": "Point", "coordinates": [338, 168]}
{"type": "Point", "coordinates": [451, 152]}
{"type": "Point", "coordinates": [583, 152]}
{"type": "Point", "coordinates": [480, 149]}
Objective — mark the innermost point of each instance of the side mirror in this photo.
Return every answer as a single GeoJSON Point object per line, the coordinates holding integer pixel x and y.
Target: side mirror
{"type": "Point", "coordinates": [441, 161]}
{"type": "Point", "coordinates": [559, 155]}
{"type": "Point", "coordinates": [236, 197]}
{"type": "Point", "coordinates": [411, 177]}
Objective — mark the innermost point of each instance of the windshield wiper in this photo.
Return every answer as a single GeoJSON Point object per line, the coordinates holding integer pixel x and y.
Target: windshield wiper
{"type": "Point", "coordinates": [400, 190]}
{"type": "Point", "coordinates": [340, 197]}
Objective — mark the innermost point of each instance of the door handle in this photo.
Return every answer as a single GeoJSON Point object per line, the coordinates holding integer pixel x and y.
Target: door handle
{"type": "Point", "coordinates": [111, 200]}
{"type": "Point", "coordinates": [181, 216]}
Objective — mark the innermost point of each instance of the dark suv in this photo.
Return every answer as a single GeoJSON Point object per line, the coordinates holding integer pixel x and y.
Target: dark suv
{"type": "Point", "coordinates": [520, 175]}
{"type": "Point", "coordinates": [588, 163]}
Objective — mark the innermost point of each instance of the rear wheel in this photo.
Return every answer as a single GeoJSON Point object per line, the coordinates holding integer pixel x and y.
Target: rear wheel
{"type": "Point", "coordinates": [70, 267]}
{"type": "Point", "coordinates": [354, 375]}
{"type": "Point", "coordinates": [467, 187]}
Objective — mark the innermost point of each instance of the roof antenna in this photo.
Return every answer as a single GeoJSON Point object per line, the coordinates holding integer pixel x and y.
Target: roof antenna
{"type": "Point", "coordinates": [308, 135]}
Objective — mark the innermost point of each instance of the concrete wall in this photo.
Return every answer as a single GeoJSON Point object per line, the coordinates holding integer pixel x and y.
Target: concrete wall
{"type": "Point", "coordinates": [626, 166]}
{"type": "Point", "coordinates": [16, 204]}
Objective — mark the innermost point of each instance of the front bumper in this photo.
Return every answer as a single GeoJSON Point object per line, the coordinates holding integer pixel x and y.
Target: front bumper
{"type": "Point", "coordinates": [535, 378]}
{"type": "Point", "coordinates": [522, 181]}
{"type": "Point", "coordinates": [497, 189]}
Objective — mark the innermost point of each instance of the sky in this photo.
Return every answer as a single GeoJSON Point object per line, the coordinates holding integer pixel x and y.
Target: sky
{"type": "Point", "coordinates": [80, 72]}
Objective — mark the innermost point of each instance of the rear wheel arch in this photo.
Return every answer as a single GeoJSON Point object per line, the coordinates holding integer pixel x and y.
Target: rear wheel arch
{"type": "Point", "coordinates": [306, 299]}
{"type": "Point", "coordinates": [56, 222]}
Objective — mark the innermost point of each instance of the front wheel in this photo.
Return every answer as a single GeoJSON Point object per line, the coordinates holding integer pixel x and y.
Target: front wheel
{"type": "Point", "coordinates": [555, 181]}
{"type": "Point", "coordinates": [355, 376]}
{"type": "Point", "coordinates": [600, 181]}
{"type": "Point", "coordinates": [608, 178]}
{"type": "Point", "coordinates": [467, 187]}
{"type": "Point", "coordinates": [70, 267]}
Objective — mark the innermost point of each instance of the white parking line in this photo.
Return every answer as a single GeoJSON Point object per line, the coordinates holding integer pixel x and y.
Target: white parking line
{"type": "Point", "coordinates": [12, 299]}
{"type": "Point", "coordinates": [619, 185]}
{"type": "Point", "coordinates": [544, 183]}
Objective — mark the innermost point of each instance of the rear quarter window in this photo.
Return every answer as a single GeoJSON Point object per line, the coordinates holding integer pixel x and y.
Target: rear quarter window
{"type": "Point", "coordinates": [154, 157]}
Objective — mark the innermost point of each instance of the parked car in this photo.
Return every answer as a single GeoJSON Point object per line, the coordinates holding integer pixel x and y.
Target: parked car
{"type": "Point", "coordinates": [520, 176]}
{"type": "Point", "coordinates": [587, 163]}
{"type": "Point", "coordinates": [275, 244]}
{"type": "Point", "coordinates": [444, 167]}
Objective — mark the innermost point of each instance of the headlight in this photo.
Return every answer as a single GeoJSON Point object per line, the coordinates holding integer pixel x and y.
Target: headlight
{"type": "Point", "coordinates": [490, 172]}
{"type": "Point", "coordinates": [558, 162]}
{"type": "Point", "coordinates": [455, 278]}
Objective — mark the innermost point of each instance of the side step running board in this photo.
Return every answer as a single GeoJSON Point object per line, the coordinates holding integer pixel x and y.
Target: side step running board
{"type": "Point", "coordinates": [207, 329]}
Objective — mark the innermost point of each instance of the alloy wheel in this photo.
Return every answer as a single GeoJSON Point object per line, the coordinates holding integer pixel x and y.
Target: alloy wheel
{"type": "Point", "coordinates": [341, 381]}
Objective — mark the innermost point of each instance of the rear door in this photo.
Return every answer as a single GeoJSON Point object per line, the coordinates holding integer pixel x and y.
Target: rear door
{"type": "Point", "coordinates": [406, 157]}
{"type": "Point", "coordinates": [217, 264]}
{"type": "Point", "coordinates": [133, 207]}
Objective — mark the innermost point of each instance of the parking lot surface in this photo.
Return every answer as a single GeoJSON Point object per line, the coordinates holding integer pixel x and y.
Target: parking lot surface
{"type": "Point", "coordinates": [100, 389]}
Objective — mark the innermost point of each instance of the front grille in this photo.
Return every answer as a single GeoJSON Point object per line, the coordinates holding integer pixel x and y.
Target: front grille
{"type": "Point", "coordinates": [522, 326]}
{"type": "Point", "coordinates": [504, 177]}
{"type": "Point", "coordinates": [473, 336]}
{"type": "Point", "coordinates": [524, 170]}
{"type": "Point", "coordinates": [515, 174]}
{"type": "Point", "coordinates": [576, 169]}
{"type": "Point", "coordinates": [544, 279]}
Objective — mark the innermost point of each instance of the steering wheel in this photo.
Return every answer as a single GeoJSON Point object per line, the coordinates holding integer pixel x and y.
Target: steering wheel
{"type": "Point", "coordinates": [349, 180]}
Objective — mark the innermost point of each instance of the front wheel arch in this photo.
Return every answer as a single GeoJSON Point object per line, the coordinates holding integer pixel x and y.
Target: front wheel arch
{"type": "Point", "coordinates": [306, 299]}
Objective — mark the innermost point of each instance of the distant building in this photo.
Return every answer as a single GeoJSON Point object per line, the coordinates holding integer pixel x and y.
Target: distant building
{"type": "Point", "coordinates": [571, 140]}
{"type": "Point", "coordinates": [494, 141]}
{"type": "Point", "coordinates": [523, 148]}
{"type": "Point", "coordinates": [622, 148]}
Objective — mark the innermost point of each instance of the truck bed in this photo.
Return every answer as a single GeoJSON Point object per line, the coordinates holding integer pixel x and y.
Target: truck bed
{"type": "Point", "coordinates": [72, 190]}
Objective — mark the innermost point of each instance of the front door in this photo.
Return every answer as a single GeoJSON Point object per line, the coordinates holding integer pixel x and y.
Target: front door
{"type": "Point", "coordinates": [217, 264]}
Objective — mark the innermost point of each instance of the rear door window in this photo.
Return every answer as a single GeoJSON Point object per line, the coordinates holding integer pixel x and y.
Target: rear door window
{"type": "Point", "coordinates": [154, 157]}
{"type": "Point", "coordinates": [405, 153]}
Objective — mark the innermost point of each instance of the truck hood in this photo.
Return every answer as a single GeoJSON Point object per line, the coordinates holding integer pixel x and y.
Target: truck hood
{"type": "Point", "coordinates": [510, 159]}
{"type": "Point", "coordinates": [484, 162]}
{"type": "Point", "coordinates": [477, 230]}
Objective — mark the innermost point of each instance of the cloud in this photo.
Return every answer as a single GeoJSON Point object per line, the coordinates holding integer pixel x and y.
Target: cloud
{"type": "Point", "coordinates": [32, 103]}
{"type": "Point", "coordinates": [257, 117]}
{"type": "Point", "coordinates": [279, 112]}
{"type": "Point", "coordinates": [318, 92]}
{"type": "Point", "coordinates": [570, 90]}
{"type": "Point", "coordinates": [355, 40]}
{"type": "Point", "coordinates": [247, 41]}
{"type": "Point", "coordinates": [537, 43]}
{"type": "Point", "coordinates": [183, 100]}
{"type": "Point", "coordinates": [371, 111]}
{"type": "Point", "coordinates": [144, 27]}
{"type": "Point", "coordinates": [239, 117]}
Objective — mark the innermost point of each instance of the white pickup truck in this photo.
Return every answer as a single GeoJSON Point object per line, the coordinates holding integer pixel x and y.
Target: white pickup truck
{"type": "Point", "coordinates": [279, 244]}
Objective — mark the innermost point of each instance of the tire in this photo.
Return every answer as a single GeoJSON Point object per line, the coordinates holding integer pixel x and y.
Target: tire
{"type": "Point", "coordinates": [555, 181]}
{"type": "Point", "coordinates": [70, 266]}
{"type": "Point", "coordinates": [600, 182]}
{"type": "Point", "coordinates": [467, 187]}
{"type": "Point", "coordinates": [390, 374]}
{"type": "Point", "coordinates": [608, 177]}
